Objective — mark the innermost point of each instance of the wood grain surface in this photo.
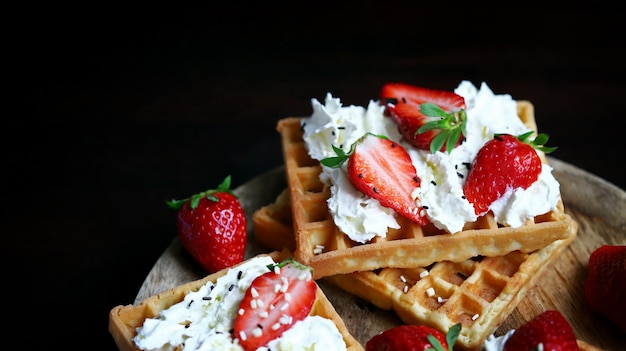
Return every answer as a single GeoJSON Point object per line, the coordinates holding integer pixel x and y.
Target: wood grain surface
{"type": "Point", "coordinates": [599, 208]}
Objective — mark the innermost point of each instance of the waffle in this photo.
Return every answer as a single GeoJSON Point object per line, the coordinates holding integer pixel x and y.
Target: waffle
{"type": "Point", "coordinates": [479, 292]}
{"type": "Point", "coordinates": [321, 245]}
{"type": "Point", "coordinates": [124, 320]}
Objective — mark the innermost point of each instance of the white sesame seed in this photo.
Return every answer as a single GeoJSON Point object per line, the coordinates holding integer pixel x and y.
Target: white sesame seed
{"type": "Point", "coordinates": [285, 319]}
{"type": "Point", "coordinates": [254, 292]}
{"type": "Point", "coordinates": [406, 289]}
{"type": "Point", "coordinates": [475, 317]}
{"type": "Point", "coordinates": [241, 311]}
{"type": "Point", "coordinates": [264, 314]}
{"type": "Point", "coordinates": [285, 284]}
{"type": "Point", "coordinates": [441, 299]}
{"type": "Point", "coordinates": [257, 332]}
{"type": "Point", "coordinates": [276, 288]}
{"type": "Point", "coordinates": [275, 326]}
{"type": "Point", "coordinates": [403, 279]}
{"type": "Point", "coordinates": [276, 269]}
{"type": "Point", "coordinates": [430, 292]}
{"type": "Point", "coordinates": [287, 297]}
{"type": "Point", "coordinates": [284, 307]}
{"type": "Point", "coordinates": [424, 274]}
{"type": "Point", "coordinates": [242, 335]}
{"type": "Point", "coordinates": [260, 303]}
{"type": "Point", "coordinates": [253, 303]}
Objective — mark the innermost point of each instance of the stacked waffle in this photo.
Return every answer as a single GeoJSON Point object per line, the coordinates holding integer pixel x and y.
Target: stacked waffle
{"type": "Point", "coordinates": [475, 276]}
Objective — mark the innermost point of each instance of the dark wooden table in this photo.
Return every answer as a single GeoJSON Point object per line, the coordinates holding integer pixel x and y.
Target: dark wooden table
{"type": "Point", "coordinates": [115, 111]}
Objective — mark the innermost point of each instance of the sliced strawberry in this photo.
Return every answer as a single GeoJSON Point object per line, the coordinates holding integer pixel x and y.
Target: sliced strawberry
{"type": "Point", "coordinates": [382, 169]}
{"type": "Point", "coordinates": [273, 303]}
{"type": "Point", "coordinates": [605, 289]}
{"type": "Point", "coordinates": [413, 338]}
{"type": "Point", "coordinates": [504, 162]}
{"type": "Point", "coordinates": [437, 125]}
{"type": "Point", "coordinates": [549, 329]}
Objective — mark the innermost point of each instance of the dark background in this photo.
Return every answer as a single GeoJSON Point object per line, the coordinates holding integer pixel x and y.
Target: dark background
{"type": "Point", "coordinates": [111, 111]}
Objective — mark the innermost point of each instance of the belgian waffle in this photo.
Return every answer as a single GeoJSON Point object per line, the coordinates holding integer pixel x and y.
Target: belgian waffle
{"type": "Point", "coordinates": [479, 292]}
{"type": "Point", "coordinates": [321, 245]}
{"type": "Point", "coordinates": [124, 320]}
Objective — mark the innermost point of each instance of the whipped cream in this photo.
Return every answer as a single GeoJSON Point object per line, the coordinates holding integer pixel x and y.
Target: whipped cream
{"type": "Point", "coordinates": [203, 320]}
{"type": "Point", "coordinates": [496, 343]}
{"type": "Point", "coordinates": [442, 175]}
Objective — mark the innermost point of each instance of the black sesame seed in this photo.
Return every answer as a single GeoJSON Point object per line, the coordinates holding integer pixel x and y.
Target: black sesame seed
{"type": "Point", "coordinates": [459, 174]}
{"type": "Point", "coordinates": [415, 179]}
{"type": "Point", "coordinates": [260, 326]}
{"type": "Point", "coordinates": [187, 326]}
{"type": "Point", "coordinates": [333, 133]}
{"type": "Point", "coordinates": [360, 175]}
{"type": "Point", "coordinates": [230, 288]}
{"type": "Point", "coordinates": [207, 298]}
{"type": "Point", "coordinates": [341, 127]}
{"type": "Point", "coordinates": [375, 190]}
{"type": "Point", "coordinates": [403, 100]}
{"type": "Point", "coordinates": [239, 274]}
{"type": "Point", "coordinates": [190, 302]}
{"type": "Point", "coordinates": [433, 183]}
{"type": "Point", "coordinates": [461, 275]}
{"type": "Point", "coordinates": [425, 207]}
{"type": "Point", "coordinates": [463, 197]}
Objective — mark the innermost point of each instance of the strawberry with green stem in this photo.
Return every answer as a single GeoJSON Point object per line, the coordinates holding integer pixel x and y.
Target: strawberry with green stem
{"type": "Point", "coordinates": [414, 338]}
{"type": "Point", "coordinates": [502, 163]}
{"type": "Point", "coordinates": [211, 226]}
{"type": "Point", "coordinates": [383, 170]}
{"type": "Point", "coordinates": [273, 303]}
{"type": "Point", "coordinates": [428, 119]}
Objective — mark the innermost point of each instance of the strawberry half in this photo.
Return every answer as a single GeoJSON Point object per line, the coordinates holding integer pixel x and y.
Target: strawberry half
{"type": "Point", "coordinates": [211, 225]}
{"type": "Point", "coordinates": [428, 119]}
{"type": "Point", "coordinates": [605, 290]}
{"type": "Point", "coordinates": [502, 163]}
{"type": "Point", "coordinates": [414, 338]}
{"type": "Point", "coordinates": [549, 329]}
{"type": "Point", "coordinates": [383, 170]}
{"type": "Point", "coordinates": [273, 303]}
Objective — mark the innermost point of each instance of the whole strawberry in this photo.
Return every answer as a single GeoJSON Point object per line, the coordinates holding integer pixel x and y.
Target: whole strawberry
{"type": "Point", "coordinates": [212, 227]}
{"type": "Point", "coordinates": [549, 329]}
{"type": "Point", "coordinates": [502, 163]}
{"type": "Point", "coordinates": [414, 338]}
{"type": "Point", "coordinates": [605, 287]}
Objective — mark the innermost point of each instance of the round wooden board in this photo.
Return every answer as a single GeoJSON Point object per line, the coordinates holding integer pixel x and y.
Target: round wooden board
{"type": "Point", "coordinates": [599, 208]}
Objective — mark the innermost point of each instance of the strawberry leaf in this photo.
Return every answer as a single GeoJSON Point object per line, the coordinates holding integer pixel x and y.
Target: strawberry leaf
{"type": "Point", "coordinates": [450, 125]}
{"type": "Point", "coordinates": [223, 187]}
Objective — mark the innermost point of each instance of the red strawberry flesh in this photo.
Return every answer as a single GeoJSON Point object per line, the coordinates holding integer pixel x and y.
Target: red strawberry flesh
{"type": "Point", "coordinates": [403, 104]}
{"type": "Point", "coordinates": [383, 170]}
{"type": "Point", "coordinates": [549, 328]}
{"type": "Point", "coordinates": [272, 304]}
{"type": "Point", "coordinates": [605, 287]}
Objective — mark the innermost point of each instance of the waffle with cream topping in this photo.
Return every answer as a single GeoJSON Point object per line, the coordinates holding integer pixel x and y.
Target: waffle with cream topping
{"type": "Point", "coordinates": [124, 320]}
{"type": "Point", "coordinates": [479, 292]}
{"type": "Point", "coordinates": [321, 245]}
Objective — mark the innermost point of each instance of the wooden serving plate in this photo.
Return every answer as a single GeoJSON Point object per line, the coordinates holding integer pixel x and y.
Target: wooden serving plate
{"type": "Point", "coordinates": [599, 208]}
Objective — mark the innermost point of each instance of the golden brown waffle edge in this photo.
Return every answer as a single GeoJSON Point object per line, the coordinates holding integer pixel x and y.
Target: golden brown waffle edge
{"type": "Point", "coordinates": [479, 292]}
{"type": "Point", "coordinates": [324, 247]}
